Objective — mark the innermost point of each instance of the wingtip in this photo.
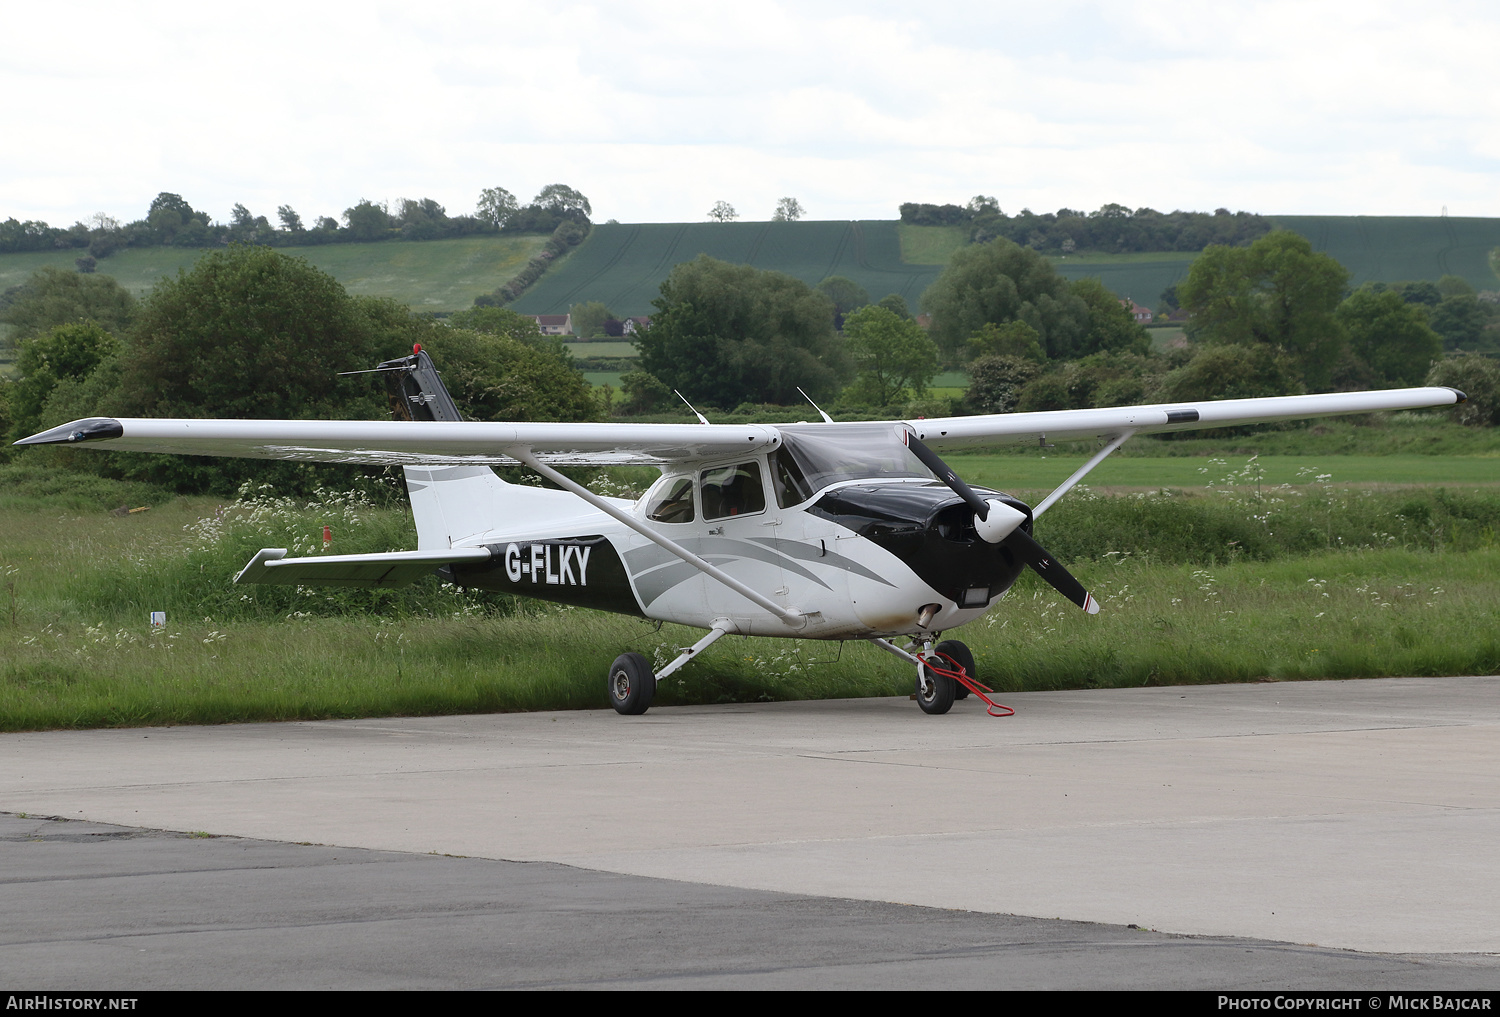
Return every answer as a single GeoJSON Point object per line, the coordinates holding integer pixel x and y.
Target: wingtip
{"type": "Point", "coordinates": [87, 429]}
{"type": "Point", "coordinates": [1090, 604]}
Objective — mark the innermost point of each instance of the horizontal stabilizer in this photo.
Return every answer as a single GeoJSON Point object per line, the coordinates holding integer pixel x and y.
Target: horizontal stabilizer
{"type": "Point", "coordinates": [394, 568]}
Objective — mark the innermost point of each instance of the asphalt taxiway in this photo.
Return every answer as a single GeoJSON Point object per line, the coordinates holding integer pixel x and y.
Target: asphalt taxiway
{"type": "Point", "coordinates": [1259, 832]}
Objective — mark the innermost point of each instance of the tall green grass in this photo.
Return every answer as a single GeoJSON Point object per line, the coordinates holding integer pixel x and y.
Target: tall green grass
{"type": "Point", "coordinates": [1194, 588]}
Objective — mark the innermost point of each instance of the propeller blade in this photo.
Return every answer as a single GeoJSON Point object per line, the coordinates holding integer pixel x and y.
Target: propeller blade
{"type": "Point", "coordinates": [1044, 565]}
{"type": "Point", "coordinates": [932, 462]}
{"type": "Point", "coordinates": [1005, 529]}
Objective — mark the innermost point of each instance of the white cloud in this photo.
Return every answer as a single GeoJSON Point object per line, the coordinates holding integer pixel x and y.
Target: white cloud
{"type": "Point", "coordinates": [655, 109]}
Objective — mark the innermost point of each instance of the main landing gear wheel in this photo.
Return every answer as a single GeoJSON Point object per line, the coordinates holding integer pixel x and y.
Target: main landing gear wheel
{"type": "Point", "coordinates": [632, 685]}
{"type": "Point", "coordinates": [934, 691]}
{"type": "Point", "coordinates": [960, 653]}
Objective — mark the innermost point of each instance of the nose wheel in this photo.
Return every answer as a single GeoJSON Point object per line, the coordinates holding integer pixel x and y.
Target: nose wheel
{"type": "Point", "coordinates": [935, 691]}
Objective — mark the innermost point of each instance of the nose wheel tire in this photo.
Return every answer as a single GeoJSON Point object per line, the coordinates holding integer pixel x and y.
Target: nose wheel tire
{"type": "Point", "coordinates": [934, 691]}
{"type": "Point", "coordinates": [632, 685]}
{"type": "Point", "coordinates": [961, 653]}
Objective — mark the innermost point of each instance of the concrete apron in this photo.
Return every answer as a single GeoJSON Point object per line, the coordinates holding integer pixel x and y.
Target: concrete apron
{"type": "Point", "coordinates": [1360, 814]}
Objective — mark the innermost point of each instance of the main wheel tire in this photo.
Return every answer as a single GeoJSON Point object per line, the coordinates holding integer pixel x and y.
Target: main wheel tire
{"type": "Point", "coordinates": [961, 653]}
{"type": "Point", "coordinates": [632, 685]}
{"type": "Point", "coordinates": [934, 691]}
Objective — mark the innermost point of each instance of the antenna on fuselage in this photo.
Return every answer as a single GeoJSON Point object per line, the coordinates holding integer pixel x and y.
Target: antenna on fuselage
{"type": "Point", "coordinates": [826, 418]}
{"type": "Point", "coordinates": [701, 418]}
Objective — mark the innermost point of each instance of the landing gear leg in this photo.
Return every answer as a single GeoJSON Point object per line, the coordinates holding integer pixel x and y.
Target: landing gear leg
{"type": "Point", "coordinates": [632, 686]}
{"type": "Point", "coordinates": [934, 691]}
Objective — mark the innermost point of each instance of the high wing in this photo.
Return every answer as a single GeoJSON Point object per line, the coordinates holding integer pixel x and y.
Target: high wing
{"type": "Point", "coordinates": [416, 443]}
{"type": "Point", "coordinates": [440, 443]}
{"type": "Point", "coordinates": [1075, 425]}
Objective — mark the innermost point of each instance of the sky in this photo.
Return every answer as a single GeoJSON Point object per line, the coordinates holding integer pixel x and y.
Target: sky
{"type": "Point", "coordinates": [656, 110]}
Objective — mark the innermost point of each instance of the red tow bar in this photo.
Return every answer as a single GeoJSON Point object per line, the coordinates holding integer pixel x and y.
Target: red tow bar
{"type": "Point", "coordinates": [954, 670]}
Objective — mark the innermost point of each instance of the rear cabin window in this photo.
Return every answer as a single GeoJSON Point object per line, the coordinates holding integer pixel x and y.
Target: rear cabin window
{"type": "Point", "coordinates": [673, 503]}
{"type": "Point", "coordinates": [732, 491]}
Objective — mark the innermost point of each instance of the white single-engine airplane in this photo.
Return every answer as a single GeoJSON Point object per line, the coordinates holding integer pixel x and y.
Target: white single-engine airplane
{"type": "Point", "coordinates": [808, 531]}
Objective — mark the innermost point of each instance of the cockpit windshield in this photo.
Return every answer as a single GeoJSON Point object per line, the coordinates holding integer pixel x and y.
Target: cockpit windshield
{"type": "Point", "coordinates": [827, 454]}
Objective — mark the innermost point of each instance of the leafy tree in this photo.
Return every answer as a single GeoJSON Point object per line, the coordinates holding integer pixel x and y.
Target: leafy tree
{"type": "Point", "coordinates": [1420, 292]}
{"type": "Point", "coordinates": [425, 210]}
{"type": "Point", "coordinates": [168, 202]}
{"type": "Point", "coordinates": [845, 293]}
{"type": "Point", "coordinates": [423, 219]}
{"type": "Point", "coordinates": [1013, 339]}
{"type": "Point", "coordinates": [982, 205]}
{"type": "Point", "coordinates": [290, 220]}
{"type": "Point", "coordinates": [644, 394]}
{"type": "Point", "coordinates": [1277, 294]}
{"type": "Point", "coordinates": [1455, 286]}
{"type": "Point", "coordinates": [996, 381]}
{"type": "Point", "coordinates": [723, 211]}
{"type": "Point", "coordinates": [1390, 336]}
{"type": "Point", "coordinates": [892, 356]}
{"type": "Point", "coordinates": [788, 210]}
{"type": "Point", "coordinates": [729, 334]}
{"type": "Point", "coordinates": [1232, 372]}
{"type": "Point", "coordinates": [1461, 320]}
{"type": "Point", "coordinates": [589, 318]}
{"type": "Point", "coordinates": [999, 282]}
{"type": "Point", "coordinates": [64, 352]}
{"type": "Point", "coordinates": [496, 206]}
{"type": "Point", "coordinates": [494, 376]}
{"type": "Point", "coordinates": [1112, 327]}
{"type": "Point", "coordinates": [1495, 261]}
{"type": "Point", "coordinates": [1477, 377]}
{"type": "Point", "coordinates": [240, 216]}
{"type": "Point", "coordinates": [249, 332]}
{"type": "Point", "coordinates": [52, 296]}
{"type": "Point", "coordinates": [1044, 393]}
{"type": "Point", "coordinates": [368, 221]}
{"type": "Point", "coordinates": [560, 199]}
{"type": "Point", "coordinates": [895, 303]}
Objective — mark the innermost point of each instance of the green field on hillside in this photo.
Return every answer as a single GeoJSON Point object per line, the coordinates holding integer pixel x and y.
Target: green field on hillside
{"type": "Point", "coordinates": [1395, 248]}
{"type": "Point", "coordinates": [428, 275]}
{"type": "Point", "coordinates": [930, 245]}
{"type": "Point", "coordinates": [624, 265]}
{"type": "Point", "coordinates": [1372, 248]}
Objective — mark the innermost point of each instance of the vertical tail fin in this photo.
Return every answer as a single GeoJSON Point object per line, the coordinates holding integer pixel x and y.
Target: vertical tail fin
{"type": "Point", "coordinates": [454, 505]}
{"type": "Point", "coordinates": [416, 390]}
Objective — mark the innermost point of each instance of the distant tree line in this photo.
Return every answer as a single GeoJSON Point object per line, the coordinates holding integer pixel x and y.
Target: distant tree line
{"type": "Point", "coordinates": [1113, 229]}
{"type": "Point", "coordinates": [172, 221]}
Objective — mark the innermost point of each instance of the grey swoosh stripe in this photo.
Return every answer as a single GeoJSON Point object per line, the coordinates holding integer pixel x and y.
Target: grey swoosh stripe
{"type": "Point", "coordinates": [654, 584]}
{"type": "Point", "coordinates": [817, 555]}
{"type": "Point", "coordinates": [641, 559]}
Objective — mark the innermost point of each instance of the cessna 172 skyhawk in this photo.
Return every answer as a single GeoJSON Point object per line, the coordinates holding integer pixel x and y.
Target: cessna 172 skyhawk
{"type": "Point", "coordinates": [810, 531]}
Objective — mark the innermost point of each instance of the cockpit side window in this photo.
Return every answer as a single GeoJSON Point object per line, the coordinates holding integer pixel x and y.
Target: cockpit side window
{"type": "Point", "coordinates": [787, 479]}
{"type": "Point", "coordinates": [673, 502]}
{"type": "Point", "coordinates": [732, 491]}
